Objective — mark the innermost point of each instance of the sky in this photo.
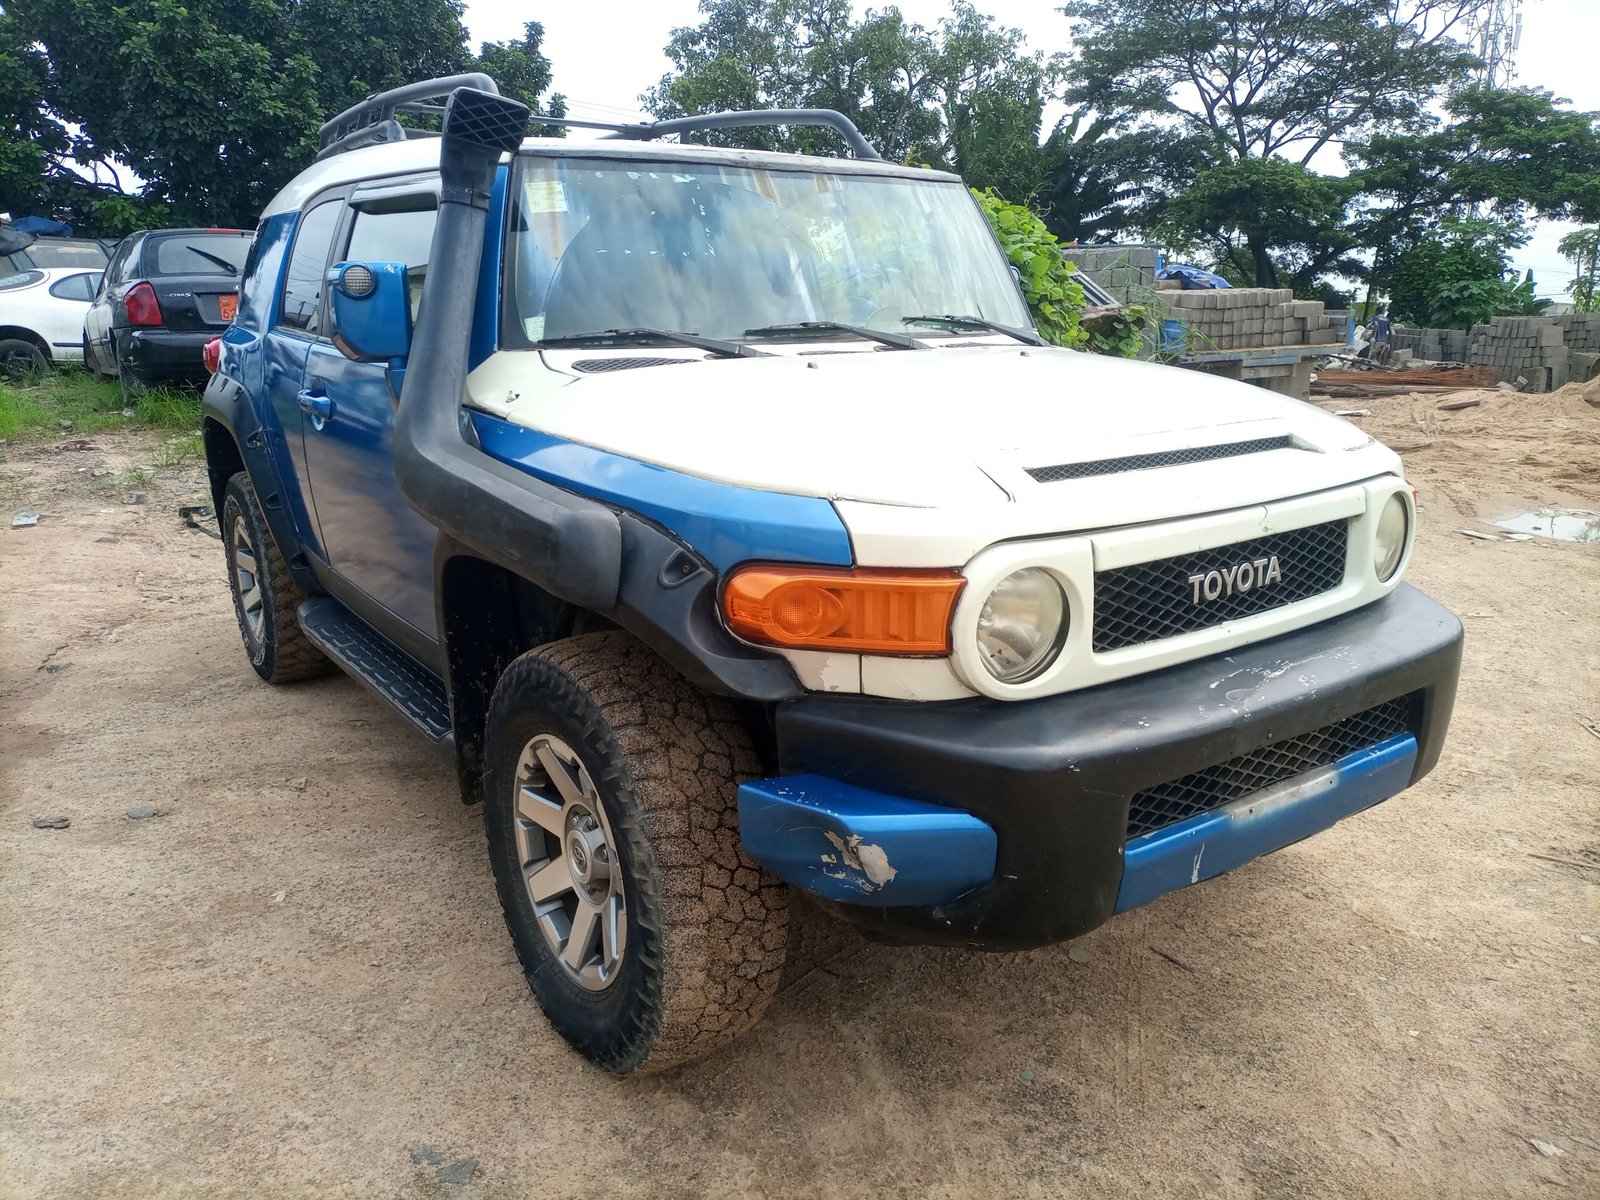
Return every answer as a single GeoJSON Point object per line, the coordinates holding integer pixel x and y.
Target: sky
{"type": "Point", "coordinates": [605, 53]}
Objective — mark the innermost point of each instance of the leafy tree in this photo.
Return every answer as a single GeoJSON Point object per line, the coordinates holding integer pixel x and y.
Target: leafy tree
{"type": "Point", "coordinates": [215, 104]}
{"type": "Point", "coordinates": [967, 90]}
{"type": "Point", "coordinates": [1582, 246]}
{"type": "Point", "coordinates": [522, 71]}
{"type": "Point", "coordinates": [1508, 153]}
{"type": "Point", "coordinates": [1257, 78]}
{"type": "Point", "coordinates": [1461, 276]}
{"type": "Point", "coordinates": [1264, 219]}
{"type": "Point", "coordinates": [1249, 92]}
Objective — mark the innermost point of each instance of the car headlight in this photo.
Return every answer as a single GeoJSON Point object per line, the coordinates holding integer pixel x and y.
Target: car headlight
{"type": "Point", "coordinates": [1021, 625]}
{"type": "Point", "coordinates": [1389, 543]}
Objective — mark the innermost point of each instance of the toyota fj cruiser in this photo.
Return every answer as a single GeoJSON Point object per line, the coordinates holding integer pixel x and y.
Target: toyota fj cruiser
{"type": "Point", "coordinates": [976, 640]}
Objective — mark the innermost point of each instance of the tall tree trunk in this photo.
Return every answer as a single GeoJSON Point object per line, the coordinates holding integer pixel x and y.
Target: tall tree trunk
{"type": "Point", "coordinates": [1266, 273]}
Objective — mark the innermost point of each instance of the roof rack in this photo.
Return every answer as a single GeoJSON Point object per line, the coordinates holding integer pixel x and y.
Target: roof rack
{"type": "Point", "coordinates": [372, 121]}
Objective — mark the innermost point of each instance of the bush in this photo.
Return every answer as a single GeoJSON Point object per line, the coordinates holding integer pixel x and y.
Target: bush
{"type": "Point", "coordinates": [1054, 296]}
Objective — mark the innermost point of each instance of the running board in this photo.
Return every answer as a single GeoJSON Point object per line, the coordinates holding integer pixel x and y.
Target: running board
{"type": "Point", "coordinates": [415, 692]}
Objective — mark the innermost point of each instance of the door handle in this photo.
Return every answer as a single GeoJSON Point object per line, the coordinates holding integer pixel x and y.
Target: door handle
{"type": "Point", "coordinates": [318, 407]}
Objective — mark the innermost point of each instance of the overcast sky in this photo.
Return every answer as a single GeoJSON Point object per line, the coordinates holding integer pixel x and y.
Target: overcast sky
{"type": "Point", "coordinates": [606, 52]}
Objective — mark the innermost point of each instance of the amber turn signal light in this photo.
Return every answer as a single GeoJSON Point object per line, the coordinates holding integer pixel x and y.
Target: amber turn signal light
{"type": "Point", "coordinates": [863, 611]}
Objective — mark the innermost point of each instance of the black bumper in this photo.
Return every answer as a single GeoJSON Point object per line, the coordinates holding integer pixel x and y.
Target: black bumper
{"type": "Point", "coordinates": [155, 354]}
{"type": "Point", "coordinates": [1055, 777]}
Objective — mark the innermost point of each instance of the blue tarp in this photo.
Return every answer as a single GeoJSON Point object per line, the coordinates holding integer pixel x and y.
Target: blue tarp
{"type": "Point", "coordinates": [1192, 278]}
{"type": "Point", "coordinates": [43, 226]}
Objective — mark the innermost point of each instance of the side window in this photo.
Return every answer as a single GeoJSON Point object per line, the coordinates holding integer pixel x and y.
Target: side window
{"type": "Point", "coordinates": [308, 264]}
{"type": "Point", "coordinates": [76, 287]}
{"type": "Point", "coordinates": [398, 231]}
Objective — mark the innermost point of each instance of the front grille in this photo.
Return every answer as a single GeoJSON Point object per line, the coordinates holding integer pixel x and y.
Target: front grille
{"type": "Point", "coordinates": [1168, 803]}
{"type": "Point", "coordinates": [1150, 601]}
{"type": "Point", "coordinates": [1167, 458]}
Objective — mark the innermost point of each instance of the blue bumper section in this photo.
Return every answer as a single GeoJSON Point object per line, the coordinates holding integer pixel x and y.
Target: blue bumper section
{"type": "Point", "coordinates": [1264, 821]}
{"type": "Point", "coordinates": [861, 847]}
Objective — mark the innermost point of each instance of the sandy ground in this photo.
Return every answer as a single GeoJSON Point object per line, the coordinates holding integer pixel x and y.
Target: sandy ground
{"type": "Point", "coordinates": [293, 980]}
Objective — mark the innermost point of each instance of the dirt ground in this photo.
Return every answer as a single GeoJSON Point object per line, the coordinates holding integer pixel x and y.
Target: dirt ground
{"type": "Point", "coordinates": [293, 980]}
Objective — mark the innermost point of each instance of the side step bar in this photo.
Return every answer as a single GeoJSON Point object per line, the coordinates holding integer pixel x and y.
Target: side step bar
{"type": "Point", "coordinates": [415, 692]}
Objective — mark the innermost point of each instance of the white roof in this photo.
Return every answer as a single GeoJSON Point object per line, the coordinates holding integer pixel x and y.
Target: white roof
{"type": "Point", "coordinates": [422, 154]}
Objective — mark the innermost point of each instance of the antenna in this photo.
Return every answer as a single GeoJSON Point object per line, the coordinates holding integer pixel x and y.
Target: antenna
{"type": "Point", "coordinates": [1496, 31]}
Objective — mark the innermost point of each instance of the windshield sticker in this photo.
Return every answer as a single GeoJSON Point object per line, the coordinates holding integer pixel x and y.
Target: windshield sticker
{"type": "Point", "coordinates": [533, 327]}
{"type": "Point", "coordinates": [545, 196]}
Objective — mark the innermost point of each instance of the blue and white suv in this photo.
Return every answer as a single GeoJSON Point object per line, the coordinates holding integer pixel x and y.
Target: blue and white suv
{"type": "Point", "coordinates": [723, 516]}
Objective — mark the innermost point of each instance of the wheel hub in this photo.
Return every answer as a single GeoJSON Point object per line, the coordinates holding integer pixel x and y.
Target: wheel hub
{"type": "Point", "coordinates": [586, 854]}
{"type": "Point", "coordinates": [247, 582]}
{"type": "Point", "coordinates": [569, 864]}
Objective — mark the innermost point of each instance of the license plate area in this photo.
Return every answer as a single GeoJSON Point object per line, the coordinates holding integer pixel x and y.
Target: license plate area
{"type": "Point", "coordinates": [228, 306]}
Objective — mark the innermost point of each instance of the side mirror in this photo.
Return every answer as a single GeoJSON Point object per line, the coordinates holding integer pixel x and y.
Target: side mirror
{"type": "Point", "coordinates": [371, 310]}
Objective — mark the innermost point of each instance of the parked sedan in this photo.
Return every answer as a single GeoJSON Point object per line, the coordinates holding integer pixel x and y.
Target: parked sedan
{"type": "Point", "coordinates": [41, 317]}
{"type": "Point", "coordinates": [166, 293]}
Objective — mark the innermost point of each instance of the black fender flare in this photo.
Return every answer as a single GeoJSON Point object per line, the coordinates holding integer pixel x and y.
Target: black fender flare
{"type": "Point", "coordinates": [226, 403]}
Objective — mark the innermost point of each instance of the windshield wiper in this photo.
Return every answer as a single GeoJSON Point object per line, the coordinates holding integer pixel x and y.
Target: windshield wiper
{"type": "Point", "coordinates": [714, 345]}
{"type": "Point", "coordinates": [216, 258]}
{"type": "Point", "coordinates": [955, 322]}
{"type": "Point", "coordinates": [900, 341]}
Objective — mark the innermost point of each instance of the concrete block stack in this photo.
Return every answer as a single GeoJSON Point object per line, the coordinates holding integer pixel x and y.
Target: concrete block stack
{"type": "Point", "coordinates": [1250, 319]}
{"type": "Point", "coordinates": [1529, 348]}
{"type": "Point", "coordinates": [1580, 331]}
{"type": "Point", "coordinates": [1127, 272]}
{"type": "Point", "coordinates": [1434, 345]}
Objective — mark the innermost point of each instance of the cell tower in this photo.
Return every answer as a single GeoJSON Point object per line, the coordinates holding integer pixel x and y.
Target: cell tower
{"type": "Point", "coordinates": [1496, 33]}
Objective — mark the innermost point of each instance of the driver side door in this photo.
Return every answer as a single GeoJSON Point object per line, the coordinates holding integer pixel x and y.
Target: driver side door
{"type": "Point", "coordinates": [372, 537]}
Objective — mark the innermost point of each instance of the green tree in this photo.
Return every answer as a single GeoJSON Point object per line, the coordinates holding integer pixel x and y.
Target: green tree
{"type": "Point", "coordinates": [1582, 246]}
{"type": "Point", "coordinates": [966, 90]}
{"type": "Point", "coordinates": [1249, 92]}
{"type": "Point", "coordinates": [1260, 78]}
{"type": "Point", "coordinates": [1512, 153]}
{"type": "Point", "coordinates": [1461, 276]}
{"type": "Point", "coordinates": [215, 104]}
{"type": "Point", "coordinates": [1266, 221]}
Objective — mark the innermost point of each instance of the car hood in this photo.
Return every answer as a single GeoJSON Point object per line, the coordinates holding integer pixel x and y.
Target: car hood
{"type": "Point", "coordinates": [950, 428]}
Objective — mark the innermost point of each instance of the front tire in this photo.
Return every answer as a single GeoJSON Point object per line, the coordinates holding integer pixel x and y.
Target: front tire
{"type": "Point", "coordinates": [265, 595]}
{"type": "Point", "coordinates": [647, 934]}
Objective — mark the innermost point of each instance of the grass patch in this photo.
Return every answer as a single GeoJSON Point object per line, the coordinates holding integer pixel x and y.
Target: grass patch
{"type": "Point", "coordinates": [75, 403]}
{"type": "Point", "coordinates": [168, 408]}
{"type": "Point", "coordinates": [179, 449]}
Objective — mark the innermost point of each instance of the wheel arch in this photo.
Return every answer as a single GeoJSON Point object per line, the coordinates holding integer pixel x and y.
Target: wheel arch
{"type": "Point", "coordinates": [223, 457]}
{"type": "Point", "coordinates": [488, 616]}
{"type": "Point", "coordinates": [23, 334]}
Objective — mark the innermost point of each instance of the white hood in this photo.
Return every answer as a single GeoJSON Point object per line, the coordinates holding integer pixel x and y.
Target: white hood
{"type": "Point", "coordinates": [949, 429]}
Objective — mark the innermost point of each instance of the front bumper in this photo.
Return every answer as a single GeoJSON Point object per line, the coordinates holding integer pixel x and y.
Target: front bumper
{"type": "Point", "coordinates": [164, 353]}
{"type": "Point", "coordinates": [885, 799]}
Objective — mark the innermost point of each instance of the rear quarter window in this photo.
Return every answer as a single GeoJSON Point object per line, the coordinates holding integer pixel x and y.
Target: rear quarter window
{"type": "Point", "coordinates": [17, 281]}
{"type": "Point", "coordinates": [76, 287]}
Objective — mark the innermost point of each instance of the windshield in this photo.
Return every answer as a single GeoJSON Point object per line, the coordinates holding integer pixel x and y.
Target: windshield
{"type": "Point", "coordinates": [198, 254]}
{"type": "Point", "coordinates": [721, 251]}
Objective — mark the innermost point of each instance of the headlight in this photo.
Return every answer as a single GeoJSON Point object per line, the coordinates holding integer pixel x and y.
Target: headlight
{"type": "Point", "coordinates": [1389, 544]}
{"type": "Point", "coordinates": [1021, 625]}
